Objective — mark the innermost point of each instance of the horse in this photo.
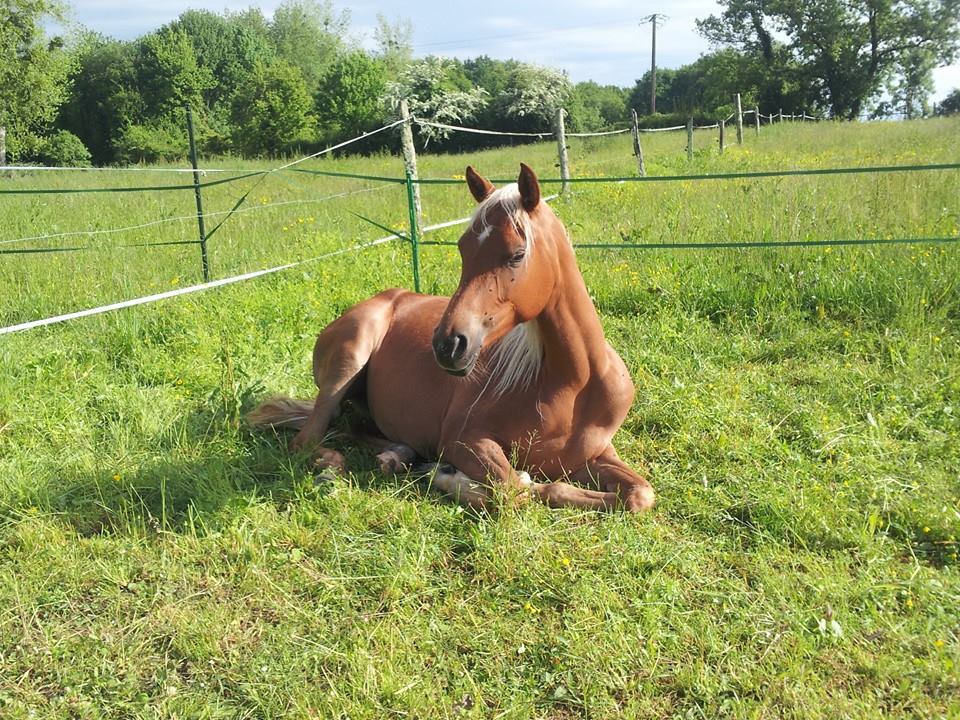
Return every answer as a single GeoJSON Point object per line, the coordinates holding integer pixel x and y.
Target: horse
{"type": "Point", "coordinates": [512, 369]}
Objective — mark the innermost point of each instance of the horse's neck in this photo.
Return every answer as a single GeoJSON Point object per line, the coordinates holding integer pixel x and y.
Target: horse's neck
{"type": "Point", "coordinates": [573, 342]}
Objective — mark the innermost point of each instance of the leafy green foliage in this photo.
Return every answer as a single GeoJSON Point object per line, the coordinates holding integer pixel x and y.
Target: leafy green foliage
{"type": "Point", "coordinates": [63, 149]}
{"type": "Point", "coordinates": [708, 85]}
{"type": "Point", "coordinates": [438, 91]}
{"type": "Point", "coordinates": [273, 110]}
{"type": "Point", "coordinates": [104, 99]}
{"type": "Point", "coordinates": [34, 73]}
{"type": "Point", "coordinates": [593, 106]}
{"type": "Point", "coordinates": [157, 140]}
{"type": "Point", "coordinates": [168, 74]}
{"type": "Point", "coordinates": [349, 99]}
{"type": "Point", "coordinates": [228, 47]}
{"type": "Point", "coordinates": [950, 104]}
{"type": "Point", "coordinates": [309, 34]}
{"type": "Point", "coordinates": [845, 51]}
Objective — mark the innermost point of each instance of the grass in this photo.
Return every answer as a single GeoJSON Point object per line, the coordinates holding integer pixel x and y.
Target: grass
{"type": "Point", "coordinates": [797, 412]}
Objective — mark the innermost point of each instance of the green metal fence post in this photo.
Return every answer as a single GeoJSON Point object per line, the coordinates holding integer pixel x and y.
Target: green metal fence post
{"type": "Point", "coordinates": [414, 233]}
{"type": "Point", "coordinates": [196, 192]}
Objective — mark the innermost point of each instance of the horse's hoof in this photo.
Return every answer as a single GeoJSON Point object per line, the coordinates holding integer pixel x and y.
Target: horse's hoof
{"type": "Point", "coordinates": [391, 463]}
{"type": "Point", "coordinates": [639, 499]}
{"type": "Point", "coordinates": [330, 460]}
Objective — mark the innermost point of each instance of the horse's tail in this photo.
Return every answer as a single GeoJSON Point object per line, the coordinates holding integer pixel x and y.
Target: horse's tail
{"type": "Point", "coordinates": [281, 412]}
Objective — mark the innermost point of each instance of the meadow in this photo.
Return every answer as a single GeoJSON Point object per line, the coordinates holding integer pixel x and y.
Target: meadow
{"type": "Point", "coordinates": [797, 412]}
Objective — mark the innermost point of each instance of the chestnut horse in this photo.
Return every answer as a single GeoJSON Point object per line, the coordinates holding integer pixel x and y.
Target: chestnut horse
{"type": "Point", "coordinates": [514, 365]}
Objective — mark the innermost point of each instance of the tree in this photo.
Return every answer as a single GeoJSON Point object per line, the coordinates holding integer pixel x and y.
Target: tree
{"type": "Point", "coordinates": [950, 104]}
{"type": "Point", "coordinates": [168, 74]}
{"type": "Point", "coordinates": [435, 90]}
{"type": "Point", "coordinates": [272, 111]}
{"type": "Point", "coordinates": [846, 50]}
{"type": "Point", "coordinates": [594, 106]}
{"type": "Point", "coordinates": [536, 92]}
{"type": "Point", "coordinates": [348, 101]}
{"type": "Point", "coordinates": [639, 98]}
{"type": "Point", "coordinates": [912, 86]}
{"type": "Point", "coordinates": [227, 46]}
{"type": "Point", "coordinates": [34, 72]}
{"type": "Point", "coordinates": [309, 34]}
{"type": "Point", "coordinates": [103, 98]}
{"type": "Point", "coordinates": [394, 44]}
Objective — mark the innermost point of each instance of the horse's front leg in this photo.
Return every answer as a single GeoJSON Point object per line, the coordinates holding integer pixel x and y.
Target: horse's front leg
{"type": "Point", "coordinates": [484, 459]}
{"type": "Point", "coordinates": [630, 490]}
{"type": "Point", "coordinates": [481, 465]}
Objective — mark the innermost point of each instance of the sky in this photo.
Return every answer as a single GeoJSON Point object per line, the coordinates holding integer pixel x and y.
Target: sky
{"type": "Point", "coordinates": [601, 40]}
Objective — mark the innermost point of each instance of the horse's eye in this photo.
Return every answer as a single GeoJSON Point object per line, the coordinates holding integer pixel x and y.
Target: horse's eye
{"type": "Point", "coordinates": [517, 258]}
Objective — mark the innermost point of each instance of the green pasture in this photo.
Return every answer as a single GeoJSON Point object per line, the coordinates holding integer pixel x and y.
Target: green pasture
{"type": "Point", "coordinates": [797, 412]}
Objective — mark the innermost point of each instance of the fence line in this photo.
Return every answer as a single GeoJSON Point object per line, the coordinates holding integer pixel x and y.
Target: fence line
{"type": "Point", "coordinates": [74, 168]}
{"type": "Point", "coordinates": [598, 134]}
{"type": "Point", "coordinates": [222, 281]}
{"type": "Point", "coordinates": [185, 290]}
{"type": "Point", "coordinates": [411, 182]}
{"type": "Point", "coordinates": [259, 173]}
{"type": "Point", "coordinates": [663, 129]}
{"type": "Point", "coordinates": [724, 176]}
{"type": "Point", "coordinates": [478, 131]}
{"type": "Point", "coordinates": [193, 217]}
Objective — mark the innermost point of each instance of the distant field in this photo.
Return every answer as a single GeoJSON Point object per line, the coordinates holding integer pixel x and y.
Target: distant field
{"type": "Point", "coordinates": [797, 411]}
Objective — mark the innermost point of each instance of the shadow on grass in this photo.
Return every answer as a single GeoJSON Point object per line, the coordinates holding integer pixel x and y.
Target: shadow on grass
{"type": "Point", "coordinates": [215, 464]}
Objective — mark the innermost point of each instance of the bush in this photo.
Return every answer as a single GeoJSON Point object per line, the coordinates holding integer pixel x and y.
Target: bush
{"type": "Point", "coordinates": [157, 142]}
{"type": "Point", "coordinates": [63, 149]}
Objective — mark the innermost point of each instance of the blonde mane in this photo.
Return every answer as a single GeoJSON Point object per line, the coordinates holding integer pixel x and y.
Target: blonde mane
{"type": "Point", "coordinates": [516, 359]}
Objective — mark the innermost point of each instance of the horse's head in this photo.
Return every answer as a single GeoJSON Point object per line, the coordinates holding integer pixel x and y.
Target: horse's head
{"type": "Point", "coordinates": [509, 269]}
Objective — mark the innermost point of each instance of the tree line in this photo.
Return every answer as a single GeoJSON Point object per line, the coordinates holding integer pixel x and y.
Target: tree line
{"type": "Point", "coordinates": [295, 81]}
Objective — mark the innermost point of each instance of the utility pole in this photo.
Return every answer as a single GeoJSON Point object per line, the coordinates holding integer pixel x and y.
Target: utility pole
{"type": "Point", "coordinates": [654, 20]}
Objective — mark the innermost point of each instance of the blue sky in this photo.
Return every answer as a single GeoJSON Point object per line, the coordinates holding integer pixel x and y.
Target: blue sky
{"type": "Point", "coordinates": [598, 40]}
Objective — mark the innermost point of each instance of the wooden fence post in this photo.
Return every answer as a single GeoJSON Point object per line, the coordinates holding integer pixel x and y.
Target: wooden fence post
{"type": "Point", "coordinates": [410, 158]}
{"type": "Point", "coordinates": [559, 131]}
{"type": "Point", "coordinates": [781, 115]}
{"type": "Point", "coordinates": [690, 140]}
{"type": "Point", "coordinates": [739, 121]}
{"type": "Point", "coordinates": [723, 127]}
{"type": "Point", "coordinates": [637, 149]}
{"type": "Point", "coordinates": [756, 117]}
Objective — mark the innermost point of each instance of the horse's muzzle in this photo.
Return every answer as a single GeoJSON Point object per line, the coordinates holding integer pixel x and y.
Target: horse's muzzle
{"type": "Point", "coordinates": [454, 352]}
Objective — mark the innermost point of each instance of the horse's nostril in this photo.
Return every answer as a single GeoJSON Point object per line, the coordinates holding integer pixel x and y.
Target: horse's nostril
{"type": "Point", "coordinates": [459, 349]}
{"type": "Point", "coordinates": [450, 348]}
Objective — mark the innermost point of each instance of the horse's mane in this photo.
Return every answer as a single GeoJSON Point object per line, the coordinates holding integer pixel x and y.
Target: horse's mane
{"type": "Point", "coordinates": [516, 359]}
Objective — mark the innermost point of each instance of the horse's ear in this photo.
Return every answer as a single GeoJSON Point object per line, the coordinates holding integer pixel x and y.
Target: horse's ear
{"type": "Point", "coordinates": [479, 186]}
{"type": "Point", "coordinates": [529, 188]}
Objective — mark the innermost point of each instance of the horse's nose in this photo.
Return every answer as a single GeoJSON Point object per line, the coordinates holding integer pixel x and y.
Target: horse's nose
{"type": "Point", "coordinates": [449, 349]}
